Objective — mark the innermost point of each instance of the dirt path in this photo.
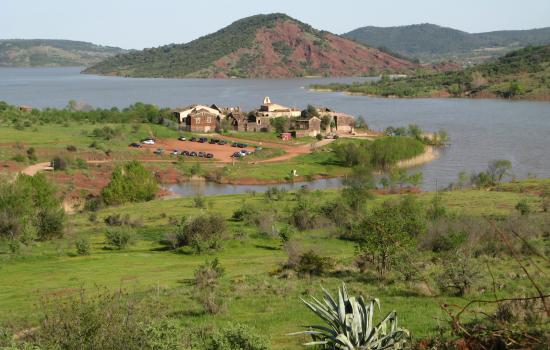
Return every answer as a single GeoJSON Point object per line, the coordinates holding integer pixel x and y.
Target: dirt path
{"type": "Point", "coordinates": [35, 168]}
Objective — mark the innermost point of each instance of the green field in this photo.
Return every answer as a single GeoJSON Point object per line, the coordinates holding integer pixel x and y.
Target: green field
{"type": "Point", "coordinates": [253, 295]}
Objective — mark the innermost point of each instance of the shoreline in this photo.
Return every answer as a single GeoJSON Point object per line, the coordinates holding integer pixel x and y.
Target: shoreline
{"type": "Point", "coordinates": [441, 95]}
{"type": "Point", "coordinates": [430, 154]}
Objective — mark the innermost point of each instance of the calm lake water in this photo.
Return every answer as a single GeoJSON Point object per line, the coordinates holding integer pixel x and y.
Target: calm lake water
{"type": "Point", "coordinates": [480, 130]}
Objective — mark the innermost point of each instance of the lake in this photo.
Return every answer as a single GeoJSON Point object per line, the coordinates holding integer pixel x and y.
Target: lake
{"type": "Point", "coordinates": [480, 130]}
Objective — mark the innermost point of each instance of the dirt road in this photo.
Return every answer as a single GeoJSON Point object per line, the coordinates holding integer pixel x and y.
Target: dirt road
{"type": "Point", "coordinates": [35, 168]}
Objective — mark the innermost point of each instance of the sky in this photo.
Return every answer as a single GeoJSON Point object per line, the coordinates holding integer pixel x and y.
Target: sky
{"type": "Point", "coordinates": [136, 24]}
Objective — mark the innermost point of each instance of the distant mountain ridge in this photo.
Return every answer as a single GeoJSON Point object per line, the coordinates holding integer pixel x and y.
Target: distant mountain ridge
{"type": "Point", "coordinates": [430, 42]}
{"type": "Point", "coordinates": [52, 53]}
{"type": "Point", "coordinates": [261, 46]}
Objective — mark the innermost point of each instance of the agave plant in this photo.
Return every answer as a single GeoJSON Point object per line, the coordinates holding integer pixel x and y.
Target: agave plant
{"type": "Point", "coordinates": [349, 324]}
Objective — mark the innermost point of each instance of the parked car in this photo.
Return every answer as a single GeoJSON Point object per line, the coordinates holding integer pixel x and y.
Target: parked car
{"type": "Point", "coordinates": [203, 139]}
{"type": "Point", "coordinates": [235, 144]}
{"type": "Point", "coordinates": [202, 154]}
{"type": "Point", "coordinates": [242, 145]}
{"type": "Point", "coordinates": [193, 154]}
{"type": "Point", "coordinates": [222, 142]}
{"type": "Point", "coordinates": [259, 148]}
{"type": "Point", "coordinates": [193, 139]}
{"type": "Point", "coordinates": [135, 145]}
{"type": "Point", "coordinates": [159, 151]}
{"type": "Point", "coordinates": [213, 141]}
{"type": "Point", "coordinates": [237, 155]}
{"type": "Point", "coordinates": [175, 152]}
{"type": "Point", "coordinates": [148, 141]}
{"type": "Point", "coordinates": [182, 138]}
{"type": "Point", "coordinates": [244, 152]}
{"type": "Point", "coordinates": [209, 155]}
{"type": "Point", "coordinates": [185, 153]}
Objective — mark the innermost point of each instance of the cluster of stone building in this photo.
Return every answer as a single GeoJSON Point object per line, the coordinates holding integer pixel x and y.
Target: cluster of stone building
{"type": "Point", "coordinates": [203, 119]}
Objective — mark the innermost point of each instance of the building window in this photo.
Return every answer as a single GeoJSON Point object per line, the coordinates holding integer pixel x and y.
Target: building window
{"type": "Point", "coordinates": [209, 120]}
{"type": "Point", "coordinates": [197, 120]}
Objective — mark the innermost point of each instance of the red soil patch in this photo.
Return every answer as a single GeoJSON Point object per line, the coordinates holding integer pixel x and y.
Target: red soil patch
{"type": "Point", "coordinates": [334, 56]}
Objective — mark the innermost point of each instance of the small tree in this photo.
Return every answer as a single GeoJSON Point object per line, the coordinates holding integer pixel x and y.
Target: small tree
{"type": "Point", "coordinates": [82, 246]}
{"type": "Point", "coordinates": [459, 274]}
{"type": "Point", "coordinates": [497, 169]}
{"type": "Point", "coordinates": [130, 182]}
{"type": "Point", "coordinates": [206, 285]}
{"type": "Point", "coordinates": [383, 234]}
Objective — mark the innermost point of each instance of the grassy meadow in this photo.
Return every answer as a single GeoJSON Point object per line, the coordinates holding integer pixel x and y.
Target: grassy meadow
{"type": "Point", "coordinates": [254, 292]}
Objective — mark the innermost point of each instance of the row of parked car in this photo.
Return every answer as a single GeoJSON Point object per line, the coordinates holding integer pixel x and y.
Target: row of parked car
{"type": "Point", "coordinates": [175, 152]}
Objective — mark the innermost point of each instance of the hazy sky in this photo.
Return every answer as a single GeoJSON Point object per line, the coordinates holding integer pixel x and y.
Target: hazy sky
{"type": "Point", "coordinates": [138, 24]}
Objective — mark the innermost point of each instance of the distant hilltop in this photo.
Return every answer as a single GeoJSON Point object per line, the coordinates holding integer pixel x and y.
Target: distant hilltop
{"type": "Point", "coordinates": [433, 43]}
{"type": "Point", "coordinates": [52, 53]}
{"type": "Point", "coordinates": [261, 46]}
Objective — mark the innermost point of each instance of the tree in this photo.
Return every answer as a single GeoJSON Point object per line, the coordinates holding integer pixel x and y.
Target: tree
{"type": "Point", "coordinates": [202, 233]}
{"type": "Point", "coordinates": [515, 89]}
{"type": "Point", "coordinates": [497, 169]}
{"type": "Point", "coordinates": [384, 233]}
{"type": "Point", "coordinates": [358, 187]}
{"type": "Point", "coordinates": [130, 182]}
{"type": "Point", "coordinates": [325, 122]}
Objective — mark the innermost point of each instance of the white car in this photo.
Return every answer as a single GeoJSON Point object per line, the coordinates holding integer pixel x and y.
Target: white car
{"type": "Point", "coordinates": [148, 142]}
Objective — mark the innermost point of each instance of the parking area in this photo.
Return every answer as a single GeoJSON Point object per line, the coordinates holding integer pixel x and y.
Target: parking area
{"type": "Point", "coordinates": [220, 152]}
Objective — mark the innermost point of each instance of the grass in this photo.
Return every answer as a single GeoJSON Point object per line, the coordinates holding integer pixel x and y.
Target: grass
{"type": "Point", "coordinates": [254, 296]}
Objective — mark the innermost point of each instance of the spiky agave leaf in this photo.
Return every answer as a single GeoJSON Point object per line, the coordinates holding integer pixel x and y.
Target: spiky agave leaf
{"type": "Point", "coordinates": [349, 324]}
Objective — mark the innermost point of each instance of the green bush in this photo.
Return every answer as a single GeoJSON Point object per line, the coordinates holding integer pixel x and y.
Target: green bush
{"type": "Point", "coordinates": [82, 246]}
{"type": "Point", "coordinates": [29, 208]}
{"type": "Point", "coordinates": [118, 238]}
{"type": "Point", "coordinates": [312, 264]}
{"type": "Point", "coordinates": [59, 163]}
{"type": "Point", "coordinates": [18, 158]}
{"type": "Point", "coordinates": [523, 207]}
{"type": "Point", "coordinates": [202, 233]}
{"type": "Point", "coordinates": [130, 182]}
{"type": "Point", "coordinates": [237, 337]}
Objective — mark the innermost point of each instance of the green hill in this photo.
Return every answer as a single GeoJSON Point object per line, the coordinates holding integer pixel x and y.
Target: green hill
{"type": "Point", "coordinates": [430, 42]}
{"type": "Point", "coordinates": [266, 46]}
{"type": "Point", "coordinates": [521, 74]}
{"type": "Point", "coordinates": [52, 53]}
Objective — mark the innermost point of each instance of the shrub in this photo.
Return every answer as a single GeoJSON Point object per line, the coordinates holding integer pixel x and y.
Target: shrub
{"type": "Point", "coordinates": [206, 285]}
{"type": "Point", "coordinates": [18, 158]}
{"type": "Point", "coordinates": [202, 233]}
{"type": "Point", "coordinates": [31, 154]}
{"type": "Point", "coordinates": [304, 215]}
{"type": "Point", "coordinates": [199, 202]}
{"type": "Point", "coordinates": [318, 137]}
{"type": "Point", "coordinates": [59, 163]}
{"type": "Point", "coordinates": [105, 321]}
{"type": "Point", "coordinates": [130, 182]}
{"type": "Point", "coordinates": [313, 264]}
{"type": "Point", "coordinates": [523, 207]}
{"type": "Point", "coordinates": [71, 148]}
{"type": "Point", "coordinates": [237, 337]}
{"type": "Point", "coordinates": [118, 238]}
{"type": "Point", "coordinates": [247, 213]}
{"type": "Point", "coordinates": [30, 208]}
{"type": "Point", "coordinates": [458, 275]}
{"type": "Point", "coordinates": [82, 246]}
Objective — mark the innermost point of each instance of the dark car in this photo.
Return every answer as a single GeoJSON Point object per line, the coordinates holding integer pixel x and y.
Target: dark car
{"type": "Point", "coordinates": [235, 144]}
{"type": "Point", "coordinates": [209, 155]}
{"type": "Point", "coordinates": [185, 153]}
{"type": "Point", "coordinates": [159, 151]}
{"type": "Point", "coordinates": [237, 155]}
{"type": "Point", "coordinates": [202, 154]}
{"type": "Point", "coordinates": [213, 141]}
{"type": "Point", "coordinates": [222, 142]}
{"type": "Point", "coordinates": [193, 139]}
{"type": "Point", "coordinates": [242, 145]}
{"type": "Point", "coordinates": [203, 139]}
{"type": "Point", "coordinates": [193, 154]}
{"type": "Point", "coordinates": [135, 145]}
